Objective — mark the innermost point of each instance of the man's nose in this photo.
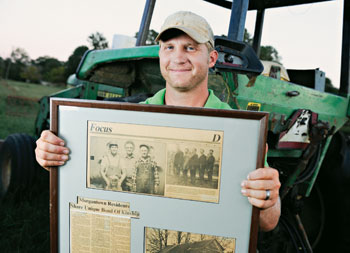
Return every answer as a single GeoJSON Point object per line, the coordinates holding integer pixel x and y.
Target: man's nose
{"type": "Point", "coordinates": [179, 57]}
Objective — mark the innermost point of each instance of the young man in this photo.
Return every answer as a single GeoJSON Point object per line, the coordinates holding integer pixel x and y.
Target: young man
{"type": "Point", "coordinates": [111, 171]}
{"type": "Point", "coordinates": [178, 161]}
{"type": "Point", "coordinates": [147, 177]}
{"type": "Point", "coordinates": [194, 164]}
{"type": "Point", "coordinates": [128, 162]}
{"type": "Point", "coordinates": [210, 164]}
{"type": "Point", "coordinates": [202, 165]}
{"type": "Point", "coordinates": [185, 56]}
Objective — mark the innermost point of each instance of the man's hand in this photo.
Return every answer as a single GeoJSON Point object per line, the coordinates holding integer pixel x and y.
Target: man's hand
{"type": "Point", "coordinates": [258, 183]}
{"type": "Point", "coordinates": [262, 189]}
{"type": "Point", "coordinates": [50, 150]}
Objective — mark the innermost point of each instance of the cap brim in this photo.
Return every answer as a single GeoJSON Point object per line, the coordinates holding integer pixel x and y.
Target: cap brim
{"type": "Point", "coordinates": [190, 32]}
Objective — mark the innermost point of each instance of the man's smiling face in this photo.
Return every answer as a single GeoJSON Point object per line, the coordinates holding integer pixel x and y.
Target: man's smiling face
{"type": "Point", "coordinates": [184, 63]}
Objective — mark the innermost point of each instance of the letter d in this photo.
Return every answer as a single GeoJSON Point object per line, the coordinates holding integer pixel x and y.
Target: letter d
{"type": "Point", "coordinates": [216, 138]}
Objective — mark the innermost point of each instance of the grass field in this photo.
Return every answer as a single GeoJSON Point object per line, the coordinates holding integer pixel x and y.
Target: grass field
{"type": "Point", "coordinates": [19, 106]}
{"type": "Point", "coordinates": [24, 213]}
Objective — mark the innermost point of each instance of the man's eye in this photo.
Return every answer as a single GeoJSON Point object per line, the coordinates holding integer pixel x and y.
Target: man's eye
{"type": "Point", "coordinates": [169, 47]}
{"type": "Point", "coordinates": [189, 48]}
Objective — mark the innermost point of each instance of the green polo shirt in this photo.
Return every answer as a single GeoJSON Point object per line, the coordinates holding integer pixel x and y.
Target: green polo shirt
{"type": "Point", "coordinates": [212, 102]}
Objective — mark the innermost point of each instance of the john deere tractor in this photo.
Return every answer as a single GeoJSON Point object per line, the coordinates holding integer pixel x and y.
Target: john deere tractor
{"type": "Point", "coordinates": [308, 134]}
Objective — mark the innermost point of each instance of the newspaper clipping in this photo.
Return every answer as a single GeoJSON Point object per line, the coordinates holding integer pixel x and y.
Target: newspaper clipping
{"type": "Point", "coordinates": [164, 240]}
{"type": "Point", "coordinates": [166, 161]}
{"type": "Point", "coordinates": [100, 226]}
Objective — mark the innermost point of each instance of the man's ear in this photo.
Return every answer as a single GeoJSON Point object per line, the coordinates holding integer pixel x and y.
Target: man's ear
{"type": "Point", "coordinates": [213, 56]}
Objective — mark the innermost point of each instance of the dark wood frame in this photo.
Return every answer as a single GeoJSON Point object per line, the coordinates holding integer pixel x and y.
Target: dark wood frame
{"type": "Point", "coordinates": [56, 102]}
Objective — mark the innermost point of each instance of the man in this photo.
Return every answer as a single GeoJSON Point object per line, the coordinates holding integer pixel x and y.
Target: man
{"type": "Point", "coordinates": [210, 165]}
{"type": "Point", "coordinates": [128, 163]}
{"type": "Point", "coordinates": [186, 53]}
{"type": "Point", "coordinates": [111, 171]}
{"type": "Point", "coordinates": [147, 177]}
{"type": "Point", "coordinates": [202, 165]}
{"type": "Point", "coordinates": [178, 161]}
{"type": "Point", "coordinates": [193, 164]}
{"type": "Point", "coordinates": [187, 157]}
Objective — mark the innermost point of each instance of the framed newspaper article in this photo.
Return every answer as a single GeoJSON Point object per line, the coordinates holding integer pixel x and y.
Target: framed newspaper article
{"type": "Point", "coordinates": [138, 174]}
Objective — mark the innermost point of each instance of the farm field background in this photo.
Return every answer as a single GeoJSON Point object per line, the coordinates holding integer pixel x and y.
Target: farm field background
{"type": "Point", "coordinates": [24, 213]}
{"type": "Point", "coordinates": [19, 106]}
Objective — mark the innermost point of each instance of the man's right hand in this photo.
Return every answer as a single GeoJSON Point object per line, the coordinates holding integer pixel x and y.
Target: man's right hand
{"type": "Point", "coordinates": [50, 150]}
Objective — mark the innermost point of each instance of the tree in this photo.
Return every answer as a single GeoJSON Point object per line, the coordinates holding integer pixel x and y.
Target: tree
{"type": "Point", "coordinates": [16, 64]}
{"type": "Point", "coordinates": [267, 53]}
{"type": "Point", "coordinates": [188, 237]}
{"type": "Point", "coordinates": [56, 75]}
{"type": "Point", "coordinates": [31, 74]}
{"type": "Point", "coordinates": [179, 236]}
{"type": "Point", "coordinates": [157, 239]}
{"type": "Point", "coordinates": [97, 41]}
{"type": "Point", "coordinates": [2, 67]}
{"type": "Point", "coordinates": [151, 37]}
{"type": "Point", "coordinates": [329, 87]}
{"type": "Point", "coordinates": [46, 64]}
{"type": "Point", "coordinates": [73, 60]}
{"type": "Point", "coordinates": [247, 37]}
{"type": "Point", "coordinates": [19, 55]}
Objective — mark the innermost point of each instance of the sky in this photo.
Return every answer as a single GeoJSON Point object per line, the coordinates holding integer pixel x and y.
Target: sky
{"type": "Point", "coordinates": [306, 37]}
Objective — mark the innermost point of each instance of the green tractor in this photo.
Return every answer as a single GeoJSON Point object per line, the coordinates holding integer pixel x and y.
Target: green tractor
{"type": "Point", "coordinates": [308, 135]}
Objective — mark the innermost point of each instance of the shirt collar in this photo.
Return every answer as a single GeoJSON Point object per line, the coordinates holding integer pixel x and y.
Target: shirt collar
{"type": "Point", "coordinates": [211, 102]}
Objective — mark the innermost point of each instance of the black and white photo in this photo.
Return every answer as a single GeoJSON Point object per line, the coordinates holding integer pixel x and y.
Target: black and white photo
{"type": "Point", "coordinates": [164, 161]}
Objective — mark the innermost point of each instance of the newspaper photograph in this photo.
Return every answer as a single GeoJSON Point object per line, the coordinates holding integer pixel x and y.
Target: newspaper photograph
{"type": "Point", "coordinates": [166, 241]}
{"type": "Point", "coordinates": [100, 226]}
{"type": "Point", "coordinates": [165, 161]}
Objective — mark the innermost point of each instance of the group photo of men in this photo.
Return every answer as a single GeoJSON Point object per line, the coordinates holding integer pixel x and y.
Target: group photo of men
{"type": "Point", "coordinates": [126, 165]}
{"type": "Point", "coordinates": [193, 166]}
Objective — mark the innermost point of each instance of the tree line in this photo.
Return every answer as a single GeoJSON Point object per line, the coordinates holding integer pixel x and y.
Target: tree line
{"type": "Point", "coordinates": [46, 69]}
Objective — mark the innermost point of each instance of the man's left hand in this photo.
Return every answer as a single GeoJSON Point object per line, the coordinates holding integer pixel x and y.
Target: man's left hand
{"type": "Point", "coordinates": [262, 187]}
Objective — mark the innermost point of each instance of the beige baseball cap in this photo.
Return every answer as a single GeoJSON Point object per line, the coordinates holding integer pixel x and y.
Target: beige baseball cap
{"type": "Point", "coordinates": [190, 23]}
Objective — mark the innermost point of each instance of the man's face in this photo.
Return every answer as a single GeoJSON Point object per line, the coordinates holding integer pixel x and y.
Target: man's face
{"type": "Point", "coordinates": [184, 63]}
{"type": "Point", "coordinates": [113, 149]}
{"type": "Point", "coordinates": [129, 148]}
{"type": "Point", "coordinates": [144, 152]}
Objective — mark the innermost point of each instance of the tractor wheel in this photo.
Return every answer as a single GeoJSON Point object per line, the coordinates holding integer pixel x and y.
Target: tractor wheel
{"type": "Point", "coordinates": [1, 142]}
{"type": "Point", "coordinates": [18, 166]}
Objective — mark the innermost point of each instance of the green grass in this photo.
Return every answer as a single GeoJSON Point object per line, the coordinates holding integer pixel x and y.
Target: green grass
{"type": "Point", "coordinates": [29, 90]}
{"type": "Point", "coordinates": [19, 106]}
{"type": "Point", "coordinates": [24, 213]}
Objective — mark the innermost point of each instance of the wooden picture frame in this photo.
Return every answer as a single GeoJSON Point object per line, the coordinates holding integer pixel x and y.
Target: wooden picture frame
{"type": "Point", "coordinates": [242, 150]}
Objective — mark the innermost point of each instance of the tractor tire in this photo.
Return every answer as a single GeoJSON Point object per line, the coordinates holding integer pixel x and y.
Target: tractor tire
{"type": "Point", "coordinates": [1, 142]}
{"type": "Point", "coordinates": [18, 167]}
